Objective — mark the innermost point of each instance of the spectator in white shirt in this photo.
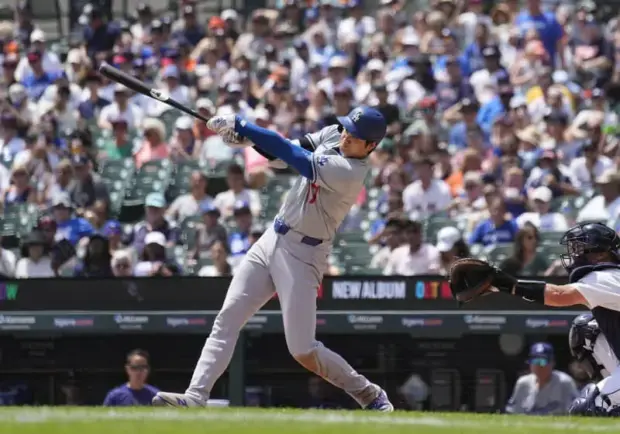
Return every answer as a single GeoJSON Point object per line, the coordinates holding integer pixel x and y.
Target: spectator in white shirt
{"type": "Point", "coordinates": [356, 23]}
{"type": "Point", "coordinates": [414, 258]}
{"type": "Point", "coordinates": [121, 108]}
{"type": "Point", "coordinates": [171, 77]}
{"type": "Point", "coordinates": [225, 201]}
{"type": "Point", "coordinates": [50, 61]}
{"type": "Point", "coordinates": [188, 205]}
{"type": "Point", "coordinates": [592, 165]}
{"type": "Point", "coordinates": [221, 266]}
{"type": "Point", "coordinates": [541, 216]}
{"type": "Point", "coordinates": [605, 206]}
{"type": "Point", "coordinates": [7, 263]}
{"type": "Point", "coordinates": [427, 195]}
{"type": "Point", "coordinates": [337, 79]}
{"type": "Point", "coordinates": [10, 143]}
{"type": "Point", "coordinates": [391, 238]}
{"type": "Point", "coordinates": [35, 262]}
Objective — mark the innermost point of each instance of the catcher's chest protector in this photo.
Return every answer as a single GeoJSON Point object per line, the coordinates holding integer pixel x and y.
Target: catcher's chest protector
{"type": "Point", "coordinates": [608, 320]}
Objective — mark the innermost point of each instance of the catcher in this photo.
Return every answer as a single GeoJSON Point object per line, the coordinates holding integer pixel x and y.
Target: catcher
{"type": "Point", "coordinates": [593, 263]}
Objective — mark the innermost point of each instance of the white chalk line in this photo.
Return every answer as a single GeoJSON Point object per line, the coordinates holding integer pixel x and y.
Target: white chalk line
{"type": "Point", "coordinates": [44, 415]}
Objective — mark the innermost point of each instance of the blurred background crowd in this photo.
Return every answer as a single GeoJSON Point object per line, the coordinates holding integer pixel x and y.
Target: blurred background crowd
{"type": "Point", "coordinates": [502, 133]}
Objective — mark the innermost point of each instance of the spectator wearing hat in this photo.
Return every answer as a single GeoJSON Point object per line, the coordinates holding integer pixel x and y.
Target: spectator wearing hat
{"type": "Point", "coordinates": [19, 191]}
{"type": "Point", "coordinates": [140, 30]}
{"type": "Point", "coordinates": [545, 390]}
{"type": "Point", "coordinates": [49, 60]}
{"type": "Point", "coordinates": [113, 231]}
{"type": "Point", "coordinates": [68, 227]}
{"type": "Point", "coordinates": [255, 40]}
{"type": "Point", "coordinates": [97, 260]}
{"type": "Point", "coordinates": [154, 221]}
{"type": "Point", "coordinates": [100, 36]}
{"type": "Point", "coordinates": [550, 173]}
{"type": "Point", "coordinates": [427, 195]}
{"type": "Point", "coordinates": [451, 246]}
{"type": "Point", "coordinates": [88, 186]}
{"type": "Point", "coordinates": [239, 240]}
{"type": "Point", "coordinates": [526, 260]}
{"type": "Point", "coordinates": [209, 232]}
{"type": "Point", "coordinates": [153, 258]}
{"type": "Point", "coordinates": [37, 79]}
{"type": "Point", "coordinates": [221, 266]}
{"type": "Point", "coordinates": [190, 29]}
{"type": "Point", "coordinates": [120, 108]}
{"type": "Point", "coordinates": [541, 215]}
{"type": "Point", "coordinates": [35, 260]}
{"type": "Point", "coordinates": [495, 107]}
{"type": "Point", "coordinates": [337, 79]}
{"type": "Point", "coordinates": [605, 206]}
{"type": "Point", "coordinates": [92, 103]}
{"type": "Point", "coordinates": [237, 192]}
{"type": "Point", "coordinates": [25, 110]}
{"type": "Point", "coordinates": [182, 142]}
{"type": "Point", "coordinates": [415, 257]}
{"type": "Point", "coordinates": [498, 228]}
{"type": "Point", "coordinates": [467, 111]}
{"type": "Point", "coordinates": [136, 392]}
{"type": "Point", "coordinates": [153, 146]}
{"type": "Point", "coordinates": [586, 169]}
{"type": "Point", "coordinates": [390, 238]}
{"type": "Point", "coordinates": [489, 75]}
{"type": "Point", "coordinates": [454, 87]}
{"type": "Point", "coordinates": [190, 204]}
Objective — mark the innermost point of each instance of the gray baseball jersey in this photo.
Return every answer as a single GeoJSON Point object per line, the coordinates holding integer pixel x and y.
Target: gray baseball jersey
{"type": "Point", "coordinates": [317, 208]}
{"type": "Point", "coordinates": [554, 398]}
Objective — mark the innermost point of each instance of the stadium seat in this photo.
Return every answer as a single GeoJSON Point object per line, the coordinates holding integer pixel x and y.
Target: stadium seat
{"type": "Point", "coordinates": [434, 224]}
{"type": "Point", "coordinates": [189, 228]}
{"type": "Point", "coordinates": [181, 178]}
{"type": "Point", "coordinates": [497, 253]}
{"type": "Point", "coordinates": [350, 238]}
{"type": "Point", "coordinates": [551, 237]}
{"type": "Point", "coordinates": [153, 177]}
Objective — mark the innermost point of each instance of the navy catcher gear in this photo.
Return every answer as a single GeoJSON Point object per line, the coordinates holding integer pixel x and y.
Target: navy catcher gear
{"type": "Point", "coordinates": [585, 405]}
{"type": "Point", "coordinates": [581, 338]}
{"type": "Point", "coordinates": [588, 238]}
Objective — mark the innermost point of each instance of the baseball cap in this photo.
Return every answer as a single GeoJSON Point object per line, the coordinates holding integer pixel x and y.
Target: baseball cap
{"type": "Point", "coordinates": [234, 88]}
{"type": "Point", "coordinates": [112, 227]}
{"type": "Point", "coordinates": [207, 207]}
{"type": "Point", "coordinates": [541, 353]}
{"type": "Point", "coordinates": [543, 194]}
{"type": "Point", "coordinates": [365, 123]}
{"type": "Point", "coordinates": [155, 200]}
{"type": "Point", "coordinates": [205, 103]}
{"type": "Point", "coordinates": [468, 104]}
{"type": "Point", "coordinates": [184, 123]}
{"type": "Point", "coordinates": [375, 65]}
{"type": "Point", "coordinates": [171, 71]}
{"type": "Point", "coordinates": [447, 238]}
{"type": "Point", "coordinates": [490, 51]}
{"type": "Point", "coordinates": [62, 200]}
{"type": "Point", "coordinates": [155, 238]}
{"type": "Point", "coordinates": [229, 14]}
{"type": "Point", "coordinates": [37, 35]}
{"type": "Point", "coordinates": [241, 207]}
{"type": "Point", "coordinates": [261, 113]}
{"type": "Point", "coordinates": [338, 62]}
{"type": "Point", "coordinates": [517, 101]}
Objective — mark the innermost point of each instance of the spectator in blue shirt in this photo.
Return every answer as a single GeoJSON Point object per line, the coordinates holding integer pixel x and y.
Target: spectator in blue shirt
{"type": "Point", "coordinates": [239, 240]}
{"type": "Point", "coordinates": [455, 87]}
{"type": "Point", "coordinates": [473, 52]}
{"type": "Point", "coordinates": [458, 133]}
{"type": "Point", "coordinates": [99, 35]}
{"type": "Point", "coordinates": [546, 25]}
{"type": "Point", "coordinates": [192, 31]}
{"type": "Point", "coordinates": [155, 204]}
{"type": "Point", "coordinates": [496, 107]}
{"type": "Point", "coordinates": [451, 51]}
{"type": "Point", "coordinates": [38, 80]}
{"type": "Point", "coordinates": [90, 108]}
{"type": "Point", "coordinates": [497, 229]}
{"type": "Point", "coordinates": [68, 227]}
{"type": "Point", "coordinates": [136, 392]}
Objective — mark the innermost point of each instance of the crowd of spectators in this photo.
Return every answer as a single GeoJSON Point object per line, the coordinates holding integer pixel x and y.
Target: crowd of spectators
{"type": "Point", "coordinates": [502, 130]}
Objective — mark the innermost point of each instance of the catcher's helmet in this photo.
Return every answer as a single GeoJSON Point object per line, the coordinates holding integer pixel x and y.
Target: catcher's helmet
{"type": "Point", "coordinates": [588, 238]}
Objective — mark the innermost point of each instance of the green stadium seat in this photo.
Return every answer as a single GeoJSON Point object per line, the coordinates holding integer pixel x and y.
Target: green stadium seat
{"type": "Point", "coordinates": [551, 237]}
{"type": "Point", "coordinates": [362, 270]}
{"type": "Point", "coordinates": [355, 238]}
{"type": "Point", "coordinates": [497, 253]}
{"type": "Point", "coordinates": [434, 224]}
{"type": "Point", "coordinates": [189, 228]}
{"type": "Point", "coordinates": [181, 178]}
{"type": "Point", "coordinates": [552, 251]}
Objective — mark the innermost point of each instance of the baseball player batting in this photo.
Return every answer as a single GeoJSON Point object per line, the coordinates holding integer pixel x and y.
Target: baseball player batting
{"type": "Point", "coordinates": [291, 256]}
{"type": "Point", "coordinates": [593, 262]}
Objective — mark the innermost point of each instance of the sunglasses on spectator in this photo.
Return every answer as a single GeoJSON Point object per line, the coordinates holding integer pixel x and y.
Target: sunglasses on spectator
{"type": "Point", "coordinates": [539, 361]}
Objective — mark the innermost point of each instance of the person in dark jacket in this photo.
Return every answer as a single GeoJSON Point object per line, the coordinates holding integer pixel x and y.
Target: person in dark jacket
{"type": "Point", "coordinates": [97, 260]}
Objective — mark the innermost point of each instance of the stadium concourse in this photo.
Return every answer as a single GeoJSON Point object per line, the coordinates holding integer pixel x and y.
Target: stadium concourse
{"type": "Point", "coordinates": [502, 133]}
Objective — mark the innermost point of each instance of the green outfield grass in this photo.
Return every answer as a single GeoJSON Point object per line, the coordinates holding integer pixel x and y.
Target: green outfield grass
{"type": "Point", "coordinates": [256, 421]}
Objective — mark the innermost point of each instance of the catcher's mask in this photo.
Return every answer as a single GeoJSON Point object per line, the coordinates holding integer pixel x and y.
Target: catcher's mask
{"type": "Point", "coordinates": [588, 238]}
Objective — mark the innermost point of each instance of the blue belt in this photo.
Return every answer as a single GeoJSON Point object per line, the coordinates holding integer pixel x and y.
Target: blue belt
{"type": "Point", "coordinates": [281, 228]}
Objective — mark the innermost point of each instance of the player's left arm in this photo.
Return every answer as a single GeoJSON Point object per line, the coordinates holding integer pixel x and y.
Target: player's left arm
{"type": "Point", "coordinates": [273, 144]}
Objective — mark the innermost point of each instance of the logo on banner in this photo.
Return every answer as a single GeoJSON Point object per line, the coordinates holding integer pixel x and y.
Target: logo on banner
{"type": "Point", "coordinates": [131, 322]}
{"type": "Point", "coordinates": [8, 291]}
{"type": "Point", "coordinates": [433, 290]}
{"type": "Point", "coordinates": [536, 323]}
{"type": "Point", "coordinates": [13, 322]}
{"type": "Point", "coordinates": [421, 322]}
{"type": "Point", "coordinates": [365, 322]}
{"type": "Point", "coordinates": [485, 322]}
{"type": "Point", "coordinates": [186, 322]}
{"type": "Point", "coordinates": [62, 323]}
{"type": "Point", "coordinates": [369, 290]}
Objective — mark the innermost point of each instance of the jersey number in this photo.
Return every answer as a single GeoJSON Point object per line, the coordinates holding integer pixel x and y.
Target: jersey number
{"type": "Point", "coordinates": [313, 192]}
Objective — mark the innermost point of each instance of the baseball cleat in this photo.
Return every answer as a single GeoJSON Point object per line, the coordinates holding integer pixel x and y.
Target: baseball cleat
{"type": "Point", "coordinates": [166, 399]}
{"type": "Point", "coordinates": [220, 124]}
{"type": "Point", "coordinates": [381, 403]}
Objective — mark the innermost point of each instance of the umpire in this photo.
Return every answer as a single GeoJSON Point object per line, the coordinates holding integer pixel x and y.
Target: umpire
{"type": "Point", "coordinates": [544, 390]}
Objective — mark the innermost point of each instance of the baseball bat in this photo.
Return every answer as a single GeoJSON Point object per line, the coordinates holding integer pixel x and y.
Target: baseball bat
{"type": "Point", "coordinates": [136, 85]}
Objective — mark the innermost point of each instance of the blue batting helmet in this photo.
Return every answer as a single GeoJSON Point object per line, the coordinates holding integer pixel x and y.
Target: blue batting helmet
{"type": "Point", "coordinates": [365, 123]}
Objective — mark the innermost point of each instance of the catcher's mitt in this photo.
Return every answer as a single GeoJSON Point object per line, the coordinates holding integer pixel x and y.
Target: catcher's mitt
{"type": "Point", "coordinates": [470, 278]}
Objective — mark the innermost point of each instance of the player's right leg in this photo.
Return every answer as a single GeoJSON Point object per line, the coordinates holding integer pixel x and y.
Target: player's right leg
{"type": "Point", "coordinates": [250, 288]}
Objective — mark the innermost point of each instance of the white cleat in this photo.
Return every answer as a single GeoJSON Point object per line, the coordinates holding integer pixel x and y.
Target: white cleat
{"type": "Point", "coordinates": [221, 124]}
{"type": "Point", "coordinates": [381, 403]}
{"type": "Point", "coordinates": [167, 399]}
